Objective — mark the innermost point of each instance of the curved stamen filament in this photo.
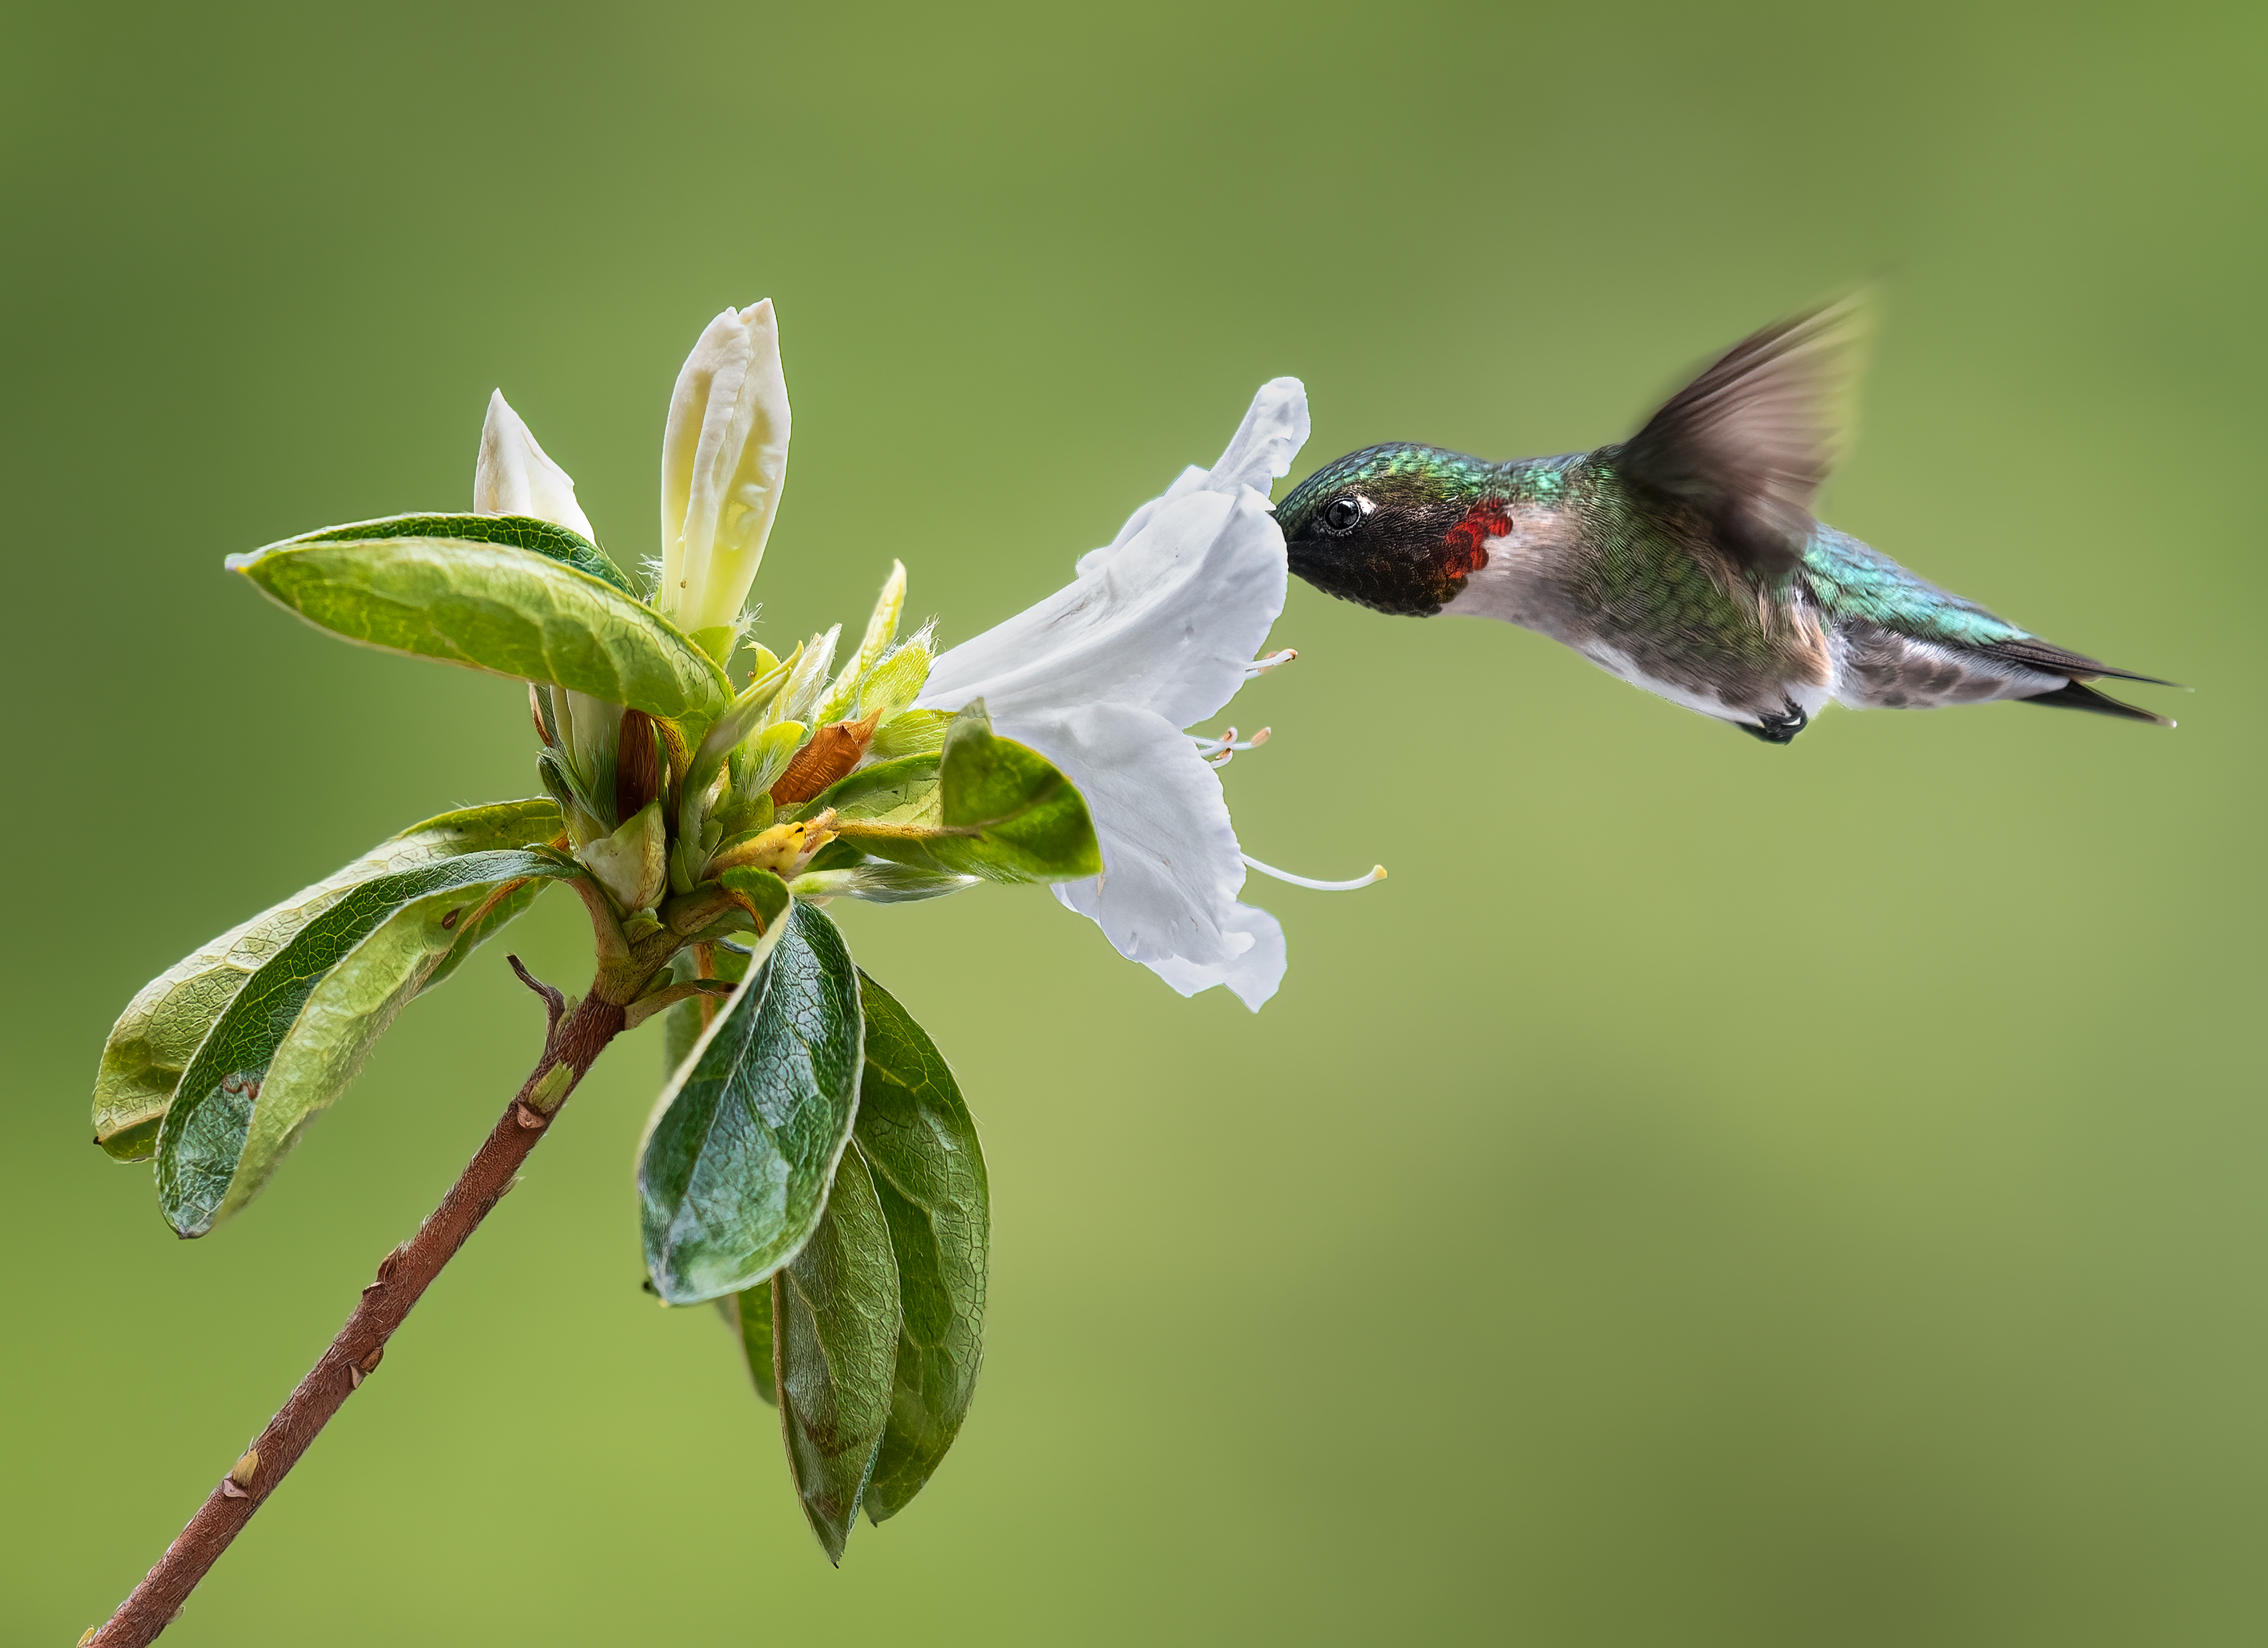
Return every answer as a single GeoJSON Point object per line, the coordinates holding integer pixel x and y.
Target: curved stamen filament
{"type": "Point", "coordinates": [1262, 666]}
{"type": "Point", "coordinates": [1377, 873]}
{"type": "Point", "coordinates": [1218, 752]}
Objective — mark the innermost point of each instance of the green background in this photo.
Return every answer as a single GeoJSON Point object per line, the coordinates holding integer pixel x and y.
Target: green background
{"type": "Point", "coordinates": [1711, 1193]}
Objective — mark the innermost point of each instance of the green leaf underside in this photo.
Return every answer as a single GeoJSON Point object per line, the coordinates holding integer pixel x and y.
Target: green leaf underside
{"type": "Point", "coordinates": [558, 543]}
{"type": "Point", "coordinates": [734, 1170]}
{"type": "Point", "coordinates": [494, 607]}
{"type": "Point", "coordinates": [159, 1032]}
{"type": "Point", "coordinates": [1029, 822]}
{"type": "Point", "coordinates": [835, 1315]}
{"type": "Point", "coordinates": [295, 1034]}
{"type": "Point", "coordinates": [749, 1315]}
{"type": "Point", "coordinates": [919, 1142]}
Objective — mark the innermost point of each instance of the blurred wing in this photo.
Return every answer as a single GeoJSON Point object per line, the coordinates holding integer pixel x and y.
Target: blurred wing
{"type": "Point", "coordinates": [1749, 442]}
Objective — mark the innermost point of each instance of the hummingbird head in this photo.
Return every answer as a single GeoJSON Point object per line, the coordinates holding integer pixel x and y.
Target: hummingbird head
{"type": "Point", "coordinates": [1398, 528]}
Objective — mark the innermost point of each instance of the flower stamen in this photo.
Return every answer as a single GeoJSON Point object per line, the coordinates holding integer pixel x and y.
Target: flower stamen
{"type": "Point", "coordinates": [1218, 752]}
{"type": "Point", "coordinates": [1262, 666]}
{"type": "Point", "coordinates": [1377, 873]}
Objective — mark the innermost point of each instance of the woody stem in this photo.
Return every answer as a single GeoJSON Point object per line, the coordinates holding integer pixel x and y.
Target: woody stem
{"type": "Point", "coordinates": [573, 1042]}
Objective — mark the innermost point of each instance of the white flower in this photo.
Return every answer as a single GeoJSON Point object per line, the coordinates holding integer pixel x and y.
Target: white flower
{"type": "Point", "coordinates": [514, 476]}
{"type": "Point", "coordinates": [1156, 633]}
{"type": "Point", "coordinates": [724, 460]}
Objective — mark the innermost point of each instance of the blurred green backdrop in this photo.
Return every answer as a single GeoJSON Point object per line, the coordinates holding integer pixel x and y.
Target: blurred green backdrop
{"type": "Point", "coordinates": [1711, 1194]}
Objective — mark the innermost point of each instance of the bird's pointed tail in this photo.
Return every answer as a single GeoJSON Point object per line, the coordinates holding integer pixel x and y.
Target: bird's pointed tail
{"type": "Point", "coordinates": [2079, 696]}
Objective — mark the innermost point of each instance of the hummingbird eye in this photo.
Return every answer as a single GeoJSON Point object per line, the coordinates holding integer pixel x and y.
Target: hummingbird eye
{"type": "Point", "coordinates": [1343, 515]}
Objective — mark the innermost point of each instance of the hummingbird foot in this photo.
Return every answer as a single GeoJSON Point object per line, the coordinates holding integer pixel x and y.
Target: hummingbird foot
{"type": "Point", "coordinates": [1778, 729]}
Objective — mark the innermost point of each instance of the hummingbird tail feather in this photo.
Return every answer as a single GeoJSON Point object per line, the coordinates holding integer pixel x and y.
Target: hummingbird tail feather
{"type": "Point", "coordinates": [2079, 695]}
{"type": "Point", "coordinates": [2049, 659]}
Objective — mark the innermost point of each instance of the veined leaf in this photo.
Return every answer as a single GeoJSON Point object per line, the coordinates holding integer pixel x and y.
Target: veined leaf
{"type": "Point", "coordinates": [734, 1173]}
{"type": "Point", "coordinates": [885, 790]}
{"type": "Point", "coordinates": [158, 1034]}
{"type": "Point", "coordinates": [835, 1319]}
{"type": "Point", "coordinates": [296, 1031]}
{"type": "Point", "coordinates": [558, 543]}
{"type": "Point", "coordinates": [919, 1142]}
{"type": "Point", "coordinates": [1005, 812]}
{"type": "Point", "coordinates": [498, 607]}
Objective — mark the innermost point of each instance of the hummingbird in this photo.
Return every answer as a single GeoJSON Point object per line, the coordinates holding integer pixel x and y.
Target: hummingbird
{"type": "Point", "coordinates": [1686, 560]}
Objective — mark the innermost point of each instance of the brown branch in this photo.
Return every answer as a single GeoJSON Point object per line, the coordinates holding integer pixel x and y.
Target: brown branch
{"type": "Point", "coordinates": [403, 1275]}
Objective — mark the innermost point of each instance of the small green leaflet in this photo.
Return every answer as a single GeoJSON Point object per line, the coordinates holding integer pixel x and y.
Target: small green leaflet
{"type": "Point", "coordinates": [835, 1314]}
{"type": "Point", "coordinates": [916, 1136]}
{"type": "Point", "coordinates": [296, 1031]}
{"type": "Point", "coordinates": [158, 1034]}
{"type": "Point", "coordinates": [745, 1137]}
{"type": "Point", "coordinates": [1005, 812]}
{"type": "Point", "coordinates": [495, 607]}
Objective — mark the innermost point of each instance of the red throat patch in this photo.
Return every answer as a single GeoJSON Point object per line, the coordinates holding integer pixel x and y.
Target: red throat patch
{"type": "Point", "coordinates": [1468, 547]}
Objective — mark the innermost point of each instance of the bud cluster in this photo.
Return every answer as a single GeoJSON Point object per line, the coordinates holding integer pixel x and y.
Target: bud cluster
{"type": "Point", "coordinates": [648, 817]}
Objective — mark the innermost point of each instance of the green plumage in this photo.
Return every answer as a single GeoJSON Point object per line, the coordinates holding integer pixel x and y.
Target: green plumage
{"type": "Point", "coordinates": [1686, 559]}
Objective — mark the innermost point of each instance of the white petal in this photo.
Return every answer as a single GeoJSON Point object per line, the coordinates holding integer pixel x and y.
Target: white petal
{"type": "Point", "coordinates": [1171, 868]}
{"type": "Point", "coordinates": [1167, 621]}
{"type": "Point", "coordinates": [1252, 978]}
{"type": "Point", "coordinates": [1275, 428]}
{"type": "Point", "coordinates": [514, 476]}
{"type": "Point", "coordinates": [723, 462]}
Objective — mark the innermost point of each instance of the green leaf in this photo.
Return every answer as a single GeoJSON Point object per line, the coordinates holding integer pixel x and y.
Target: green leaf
{"type": "Point", "coordinates": [885, 790]}
{"type": "Point", "coordinates": [158, 1034]}
{"type": "Point", "coordinates": [834, 1309]}
{"type": "Point", "coordinates": [733, 1172]}
{"type": "Point", "coordinates": [558, 543]}
{"type": "Point", "coordinates": [296, 1031]}
{"type": "Point", "coordinates": [749, 1315]}
{"type": "Point", "coordinates": [920, 1143]}
{"type": "Point", "coordinates": [1004, 814]}
{"type": "Point", "coordinates": [494, 607]}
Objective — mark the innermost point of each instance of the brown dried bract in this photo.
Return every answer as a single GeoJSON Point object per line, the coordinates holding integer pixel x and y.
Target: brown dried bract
{"type": "Point", "coordinates": [830, 755]}
{"type": "Point", "coordinates": [637, 764]}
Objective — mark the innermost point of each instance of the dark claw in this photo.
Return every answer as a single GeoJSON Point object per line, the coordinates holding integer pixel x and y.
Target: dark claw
{"type": "Point", "coordinates": [1778, 729]}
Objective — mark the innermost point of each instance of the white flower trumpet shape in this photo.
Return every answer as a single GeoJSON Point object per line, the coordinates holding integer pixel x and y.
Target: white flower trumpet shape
{"type": "Point", "coordinates": [724, 460]}
{"type": "Point", "coordinates": [1156, 633]}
